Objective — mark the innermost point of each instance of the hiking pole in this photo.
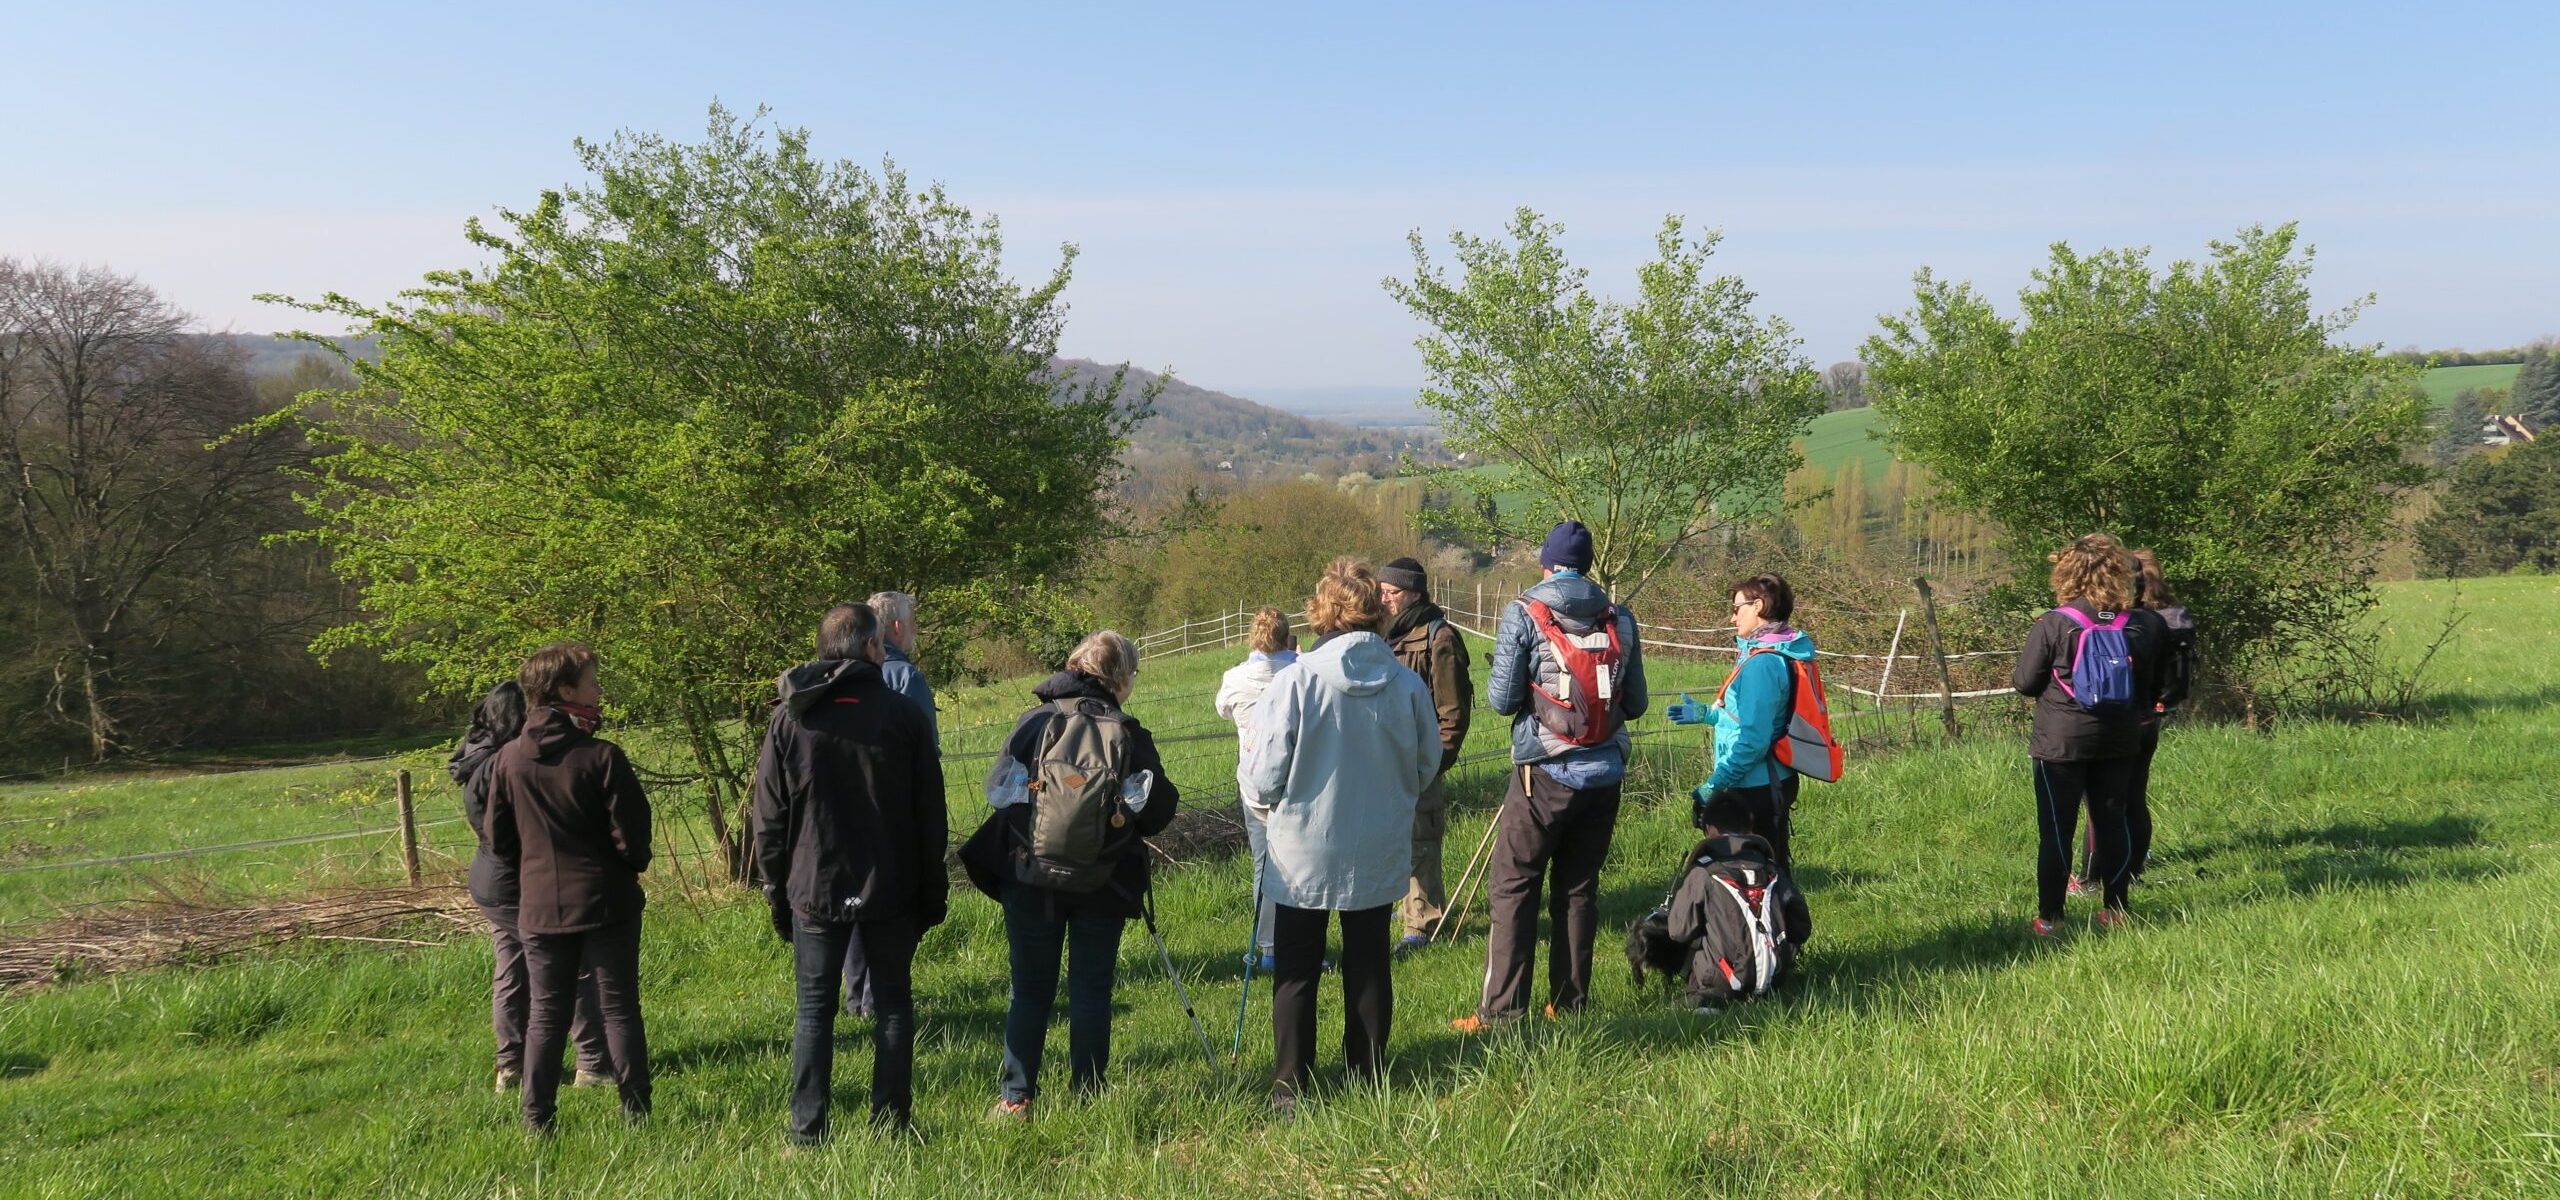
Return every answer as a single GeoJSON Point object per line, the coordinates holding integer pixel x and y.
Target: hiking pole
{"type": "Point", "coordinates": [1207, 1054]}
{"type": "Point", "coordinates": [1467, 879]}
{"type": "Point", "coordinates": [1252, 953]}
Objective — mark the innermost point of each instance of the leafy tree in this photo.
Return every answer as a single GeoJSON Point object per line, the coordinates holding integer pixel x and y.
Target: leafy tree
{"type": "Point", "coordinates": [2536, 393]}
{"type": "Point", "coordinates": [1654, 423]}
{"type": "Point", "coordinates": [693, 401]}
{"type": "Point", "coordinates": [2205, 411]}
{"type": "Point", "coordinates": [2500, 512]}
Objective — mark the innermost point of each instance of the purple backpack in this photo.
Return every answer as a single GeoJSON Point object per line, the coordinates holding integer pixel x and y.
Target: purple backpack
{"type": "Point", "coordinates": [2101, 676]}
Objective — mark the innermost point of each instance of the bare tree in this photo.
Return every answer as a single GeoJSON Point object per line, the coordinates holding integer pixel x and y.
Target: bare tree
{"type": "Point", "coordinates": [120, 471]}
{"type": "Point", "coordinates": [1847, 384]}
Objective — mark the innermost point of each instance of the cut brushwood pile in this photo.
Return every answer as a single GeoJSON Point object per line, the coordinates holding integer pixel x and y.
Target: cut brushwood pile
{"type": "Point", "coordinates": [171, 931]}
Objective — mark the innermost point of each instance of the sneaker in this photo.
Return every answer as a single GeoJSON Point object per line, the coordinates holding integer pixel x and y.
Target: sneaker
{"type": "Point", "coordinates": [1009, 1111]}
{"type": "Point", "coordinates": [593, 1079]}
{"type": "Point", "coordinates": [2081, 887]}
{"type": "Point", "coordinates": [2109, 918]}
{"type": "Point", "coordinates": [1412, 942]}
{"type": "Point", "coordinates": [510, 1080]}
{"type": "Point", "coordinates": [1549, 1012]}
{"type": "Point", "coordinates": [1264, 963]}
{"type": "Point", "coordinates": [1473, 1023]}
{"type": "Point", "coordinates": [2043, 928]}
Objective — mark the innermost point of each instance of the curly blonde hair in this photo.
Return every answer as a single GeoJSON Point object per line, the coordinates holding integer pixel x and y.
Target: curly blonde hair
{"type": "Point", "coordinates": [2094, 568]}
{"type": "Point", "coordinates": [1346, 598]}
{"type": "Point", "coordinates": [1271, 631]}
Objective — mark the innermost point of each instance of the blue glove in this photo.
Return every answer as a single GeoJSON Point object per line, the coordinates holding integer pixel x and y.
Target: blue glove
{"type": "Point", "coordinates": [1688, 711]}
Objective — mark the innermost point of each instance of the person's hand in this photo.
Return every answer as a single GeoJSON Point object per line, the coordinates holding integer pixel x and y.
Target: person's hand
{"type": "Point", "coordinates": [1688, 711]}
{"type": "Point", "coordinates": [781, 906]}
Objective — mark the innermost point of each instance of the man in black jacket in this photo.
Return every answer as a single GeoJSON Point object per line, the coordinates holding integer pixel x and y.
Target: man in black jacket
{"type": "Point", "coordinates": [850, 827]}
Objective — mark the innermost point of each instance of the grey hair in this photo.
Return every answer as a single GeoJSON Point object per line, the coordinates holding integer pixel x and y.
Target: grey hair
{"type": "Point", "coordinates": [1106, 656]}
{"type": "Point", "coordinates": [893, 607]}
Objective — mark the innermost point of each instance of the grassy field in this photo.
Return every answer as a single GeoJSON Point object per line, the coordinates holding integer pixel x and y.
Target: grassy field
{"type": "Point", "coordinates": [2442, 383]}
{"type": "Point", "coordinates": [2332, 987]}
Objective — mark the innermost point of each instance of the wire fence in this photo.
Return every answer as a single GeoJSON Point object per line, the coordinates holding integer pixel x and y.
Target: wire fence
{"type": "Point", "coordinates": [1887, 671]}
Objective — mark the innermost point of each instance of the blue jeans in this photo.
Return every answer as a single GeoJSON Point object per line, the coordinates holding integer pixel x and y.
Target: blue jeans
{"type": "Point", "coordinates": [817, 953]}
{"type": "Point", "coordinates": [1039, 925]}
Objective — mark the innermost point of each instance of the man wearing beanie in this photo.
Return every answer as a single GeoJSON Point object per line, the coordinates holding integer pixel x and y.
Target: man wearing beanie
{"type": "Point", "coordinates": [1425, 641]}
{"type": "Point", "coordinates": [1568, 671]}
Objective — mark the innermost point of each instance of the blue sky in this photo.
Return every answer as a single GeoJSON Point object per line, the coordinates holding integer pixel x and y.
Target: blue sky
{"type": "Point", "coordinates": [1239, 178]}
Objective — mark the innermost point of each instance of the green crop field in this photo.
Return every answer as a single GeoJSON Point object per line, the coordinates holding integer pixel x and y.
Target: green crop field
{"type": "Point", "coordinates": [2443, 383]}
{"type": "Point", "coordinates": [2334, 985]}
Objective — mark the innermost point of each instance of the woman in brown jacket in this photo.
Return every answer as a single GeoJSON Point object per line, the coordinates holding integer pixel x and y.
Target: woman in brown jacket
{"type": "Point", "coordinates": [566, 811]}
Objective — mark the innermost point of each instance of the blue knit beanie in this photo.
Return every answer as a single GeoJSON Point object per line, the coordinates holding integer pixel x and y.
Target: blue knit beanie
{"type": "Point", "coordinates": [1568, 545]}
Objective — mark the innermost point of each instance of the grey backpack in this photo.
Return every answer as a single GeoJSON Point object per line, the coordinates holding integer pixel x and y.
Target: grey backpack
{"type": "Point", "coordinates": [1079, 824]}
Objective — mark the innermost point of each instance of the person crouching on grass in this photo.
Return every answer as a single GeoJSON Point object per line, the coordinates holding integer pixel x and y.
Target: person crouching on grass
{"type": "Point", "coordinates": [2091, 706]}
{"type": "Point", "coordinates": [849, 827]}
{"type": "Point", "coordinates": [1343, 744]}
{"type": "Point", "coordinates": [567, 813]}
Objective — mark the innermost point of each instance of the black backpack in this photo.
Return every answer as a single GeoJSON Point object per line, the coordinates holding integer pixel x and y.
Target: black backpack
{"type": "Point", "coordinates": [2184, 659]}
{"type": "Point", "coordinates": [1731, 910]}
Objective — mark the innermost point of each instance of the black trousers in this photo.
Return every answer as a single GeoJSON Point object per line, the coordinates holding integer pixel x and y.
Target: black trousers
{"type": "Point", "coordinates": [1546, 827]}
{"type": "Point", "coordinates": [817, 954]}
{"type": "Point", "coordinates": [511, 999]}
{"type": "Point", "coordinates": [1768, 810]}
{"type": "Point", "coordinates": [553, 962]}
{"type": "Point", "coordinates": [2137, 812]}
{"type": "Point", "coordinates": [2061, 789]}
{"type": "Point", "coordinates": [1368, 992]}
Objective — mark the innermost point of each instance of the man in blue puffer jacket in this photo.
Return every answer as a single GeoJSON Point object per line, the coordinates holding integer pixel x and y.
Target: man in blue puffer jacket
{"type": "Point", "coordinates": [1562, 806]}
{"type": "Point", "coordinates": [1749, 790]}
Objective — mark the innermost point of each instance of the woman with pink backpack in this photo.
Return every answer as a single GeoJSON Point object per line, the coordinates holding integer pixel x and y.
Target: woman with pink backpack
{"type": "Point", "coordinates": [2092, 664]}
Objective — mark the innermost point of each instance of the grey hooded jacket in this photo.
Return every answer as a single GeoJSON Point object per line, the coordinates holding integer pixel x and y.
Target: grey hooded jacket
{"type": "Point", "coordinates": [1521, 659]}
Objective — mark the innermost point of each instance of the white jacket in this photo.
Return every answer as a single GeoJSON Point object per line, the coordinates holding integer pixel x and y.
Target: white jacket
{"type": "Point", "coordinates": [1238, 691]}
{"type": "Point", "coordinates": [1341, 745]}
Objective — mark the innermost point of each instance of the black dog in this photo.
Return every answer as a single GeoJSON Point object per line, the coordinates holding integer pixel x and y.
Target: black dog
{"type": "Point", "coordinates": [1649, 944]}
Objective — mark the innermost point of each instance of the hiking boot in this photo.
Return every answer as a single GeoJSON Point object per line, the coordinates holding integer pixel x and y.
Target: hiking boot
{"type": "Point", "coordinates": [593, 1079]}
{"type": "Point", "coordinates": [1284, 1104]}
{"type": "Point", "coordinates": [2043, 928]}
{"type": "Point", "coordinates": [1010, 1111]}
{"type": "Point", "coordinates": [510, 1080]}
{"type": "Point", "coordinates": [1474, 1023]}
{"type": "Point", "coordinates": [1549, 1012]}
{"type": "Point", "coordinates": [2108, 918]}
{"type": "Point", "coordinates": [1412, 942]}
{"type": "Point", "coordinates": [1707, 1010]}
{"type": "Point", "coordinates": [2081, 887]}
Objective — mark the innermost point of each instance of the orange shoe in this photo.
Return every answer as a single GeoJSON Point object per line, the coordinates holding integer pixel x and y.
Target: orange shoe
{"type": "Point", "coordinates": [1551, 1012]}
{"type": "Point", "coordinates": [1474, 1023]}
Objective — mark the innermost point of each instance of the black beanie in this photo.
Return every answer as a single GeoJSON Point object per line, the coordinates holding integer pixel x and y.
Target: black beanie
{"type": "Point", "coordinates": [1407, 574]}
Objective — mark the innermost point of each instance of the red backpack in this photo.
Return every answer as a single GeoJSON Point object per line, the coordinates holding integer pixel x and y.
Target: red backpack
{"type": "Point", "coordinates": [1591, 665]}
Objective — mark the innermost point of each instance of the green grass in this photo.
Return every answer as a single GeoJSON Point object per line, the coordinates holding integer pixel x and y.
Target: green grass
{"type": "Point", "coordinates": [2334, 987]}
{"type": "Point", "coordinates": [2442, 383]}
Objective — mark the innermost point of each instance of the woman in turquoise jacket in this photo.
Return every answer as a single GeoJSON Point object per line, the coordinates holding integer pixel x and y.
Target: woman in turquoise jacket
{"type": "Point", "coordinates": [1749, 790]}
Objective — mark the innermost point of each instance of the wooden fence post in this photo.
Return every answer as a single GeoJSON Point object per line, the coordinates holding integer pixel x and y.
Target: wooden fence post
{"type": "Point", "coordinates": [408, 827]}
{"type": "Point", "coordinates": [1938, 648]}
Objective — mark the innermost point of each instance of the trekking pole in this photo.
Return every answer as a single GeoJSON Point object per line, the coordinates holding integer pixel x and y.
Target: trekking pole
{"type": "Point", "coordinates": [1208, 1054]}
{"type": "Point", "coordinates": [1252, 953]}
{"type": "Point", "coordinates": [1479, 865]}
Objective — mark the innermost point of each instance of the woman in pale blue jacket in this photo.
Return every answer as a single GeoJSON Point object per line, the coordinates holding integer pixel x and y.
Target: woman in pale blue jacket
{"type": "Point", "coordinates": [1750, 791]}
{"type": "Point", "coordinates": [1343, 742]}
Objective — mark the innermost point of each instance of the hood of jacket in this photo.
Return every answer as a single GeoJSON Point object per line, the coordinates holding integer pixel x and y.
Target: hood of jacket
{"type": "Point", "coordinates": [1070, 684]}
{"type": "Point", "coordinates": [552, 733]}
{"type": "Point", "coordinates": [803, 686]}
{"type": "Point", "coordinates": [1794, 643]}
{"type": "Point", "coordinates": [1570, 596]}
{"type": "Point", "coordinates": [474, 753]}
{"type": "Point", "coordinates": [1354, 664]}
